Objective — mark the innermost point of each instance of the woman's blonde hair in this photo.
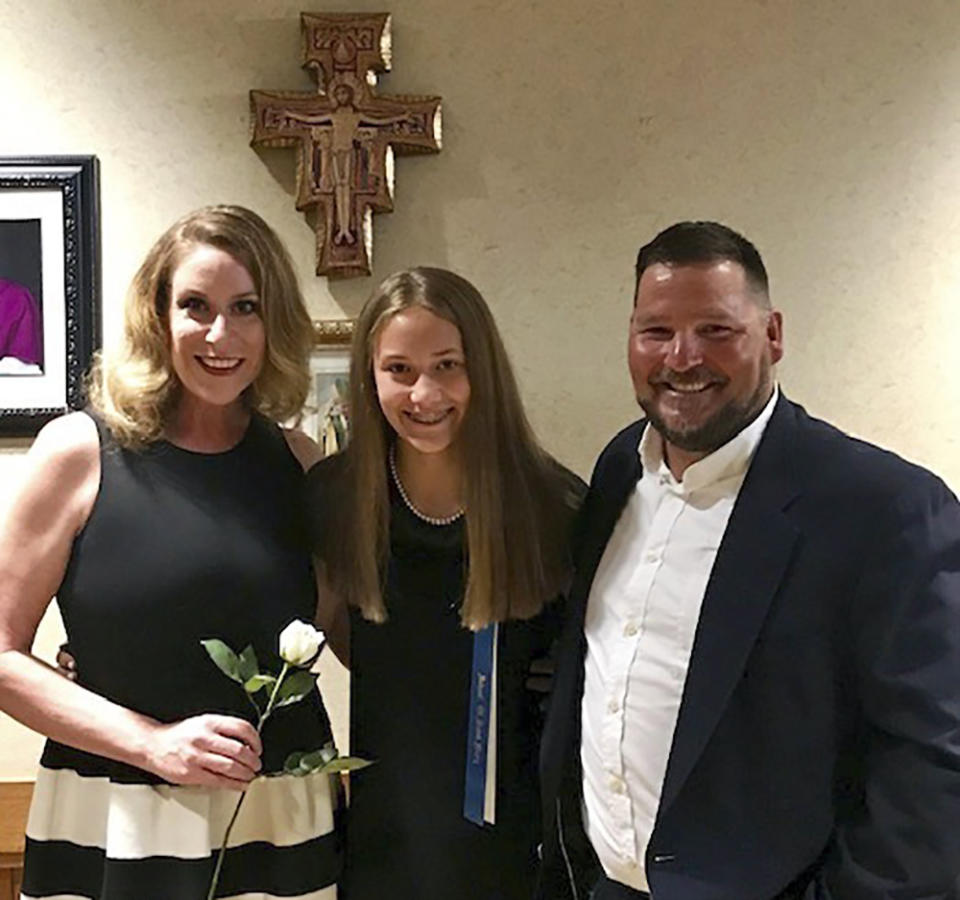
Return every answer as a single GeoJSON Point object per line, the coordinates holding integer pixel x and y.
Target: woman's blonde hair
{"type": "Point", "coordinates": [519, 502]}
{"type": "Point", "coordinates": [134, 389]}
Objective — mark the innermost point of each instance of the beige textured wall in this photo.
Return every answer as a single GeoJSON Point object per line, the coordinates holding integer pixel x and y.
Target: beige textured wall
{"type": "Point", "coordinates": [826, 130]}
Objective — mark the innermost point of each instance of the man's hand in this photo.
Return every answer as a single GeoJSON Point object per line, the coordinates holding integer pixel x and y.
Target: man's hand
{"type": "Point", "coordinates": [66, 664]}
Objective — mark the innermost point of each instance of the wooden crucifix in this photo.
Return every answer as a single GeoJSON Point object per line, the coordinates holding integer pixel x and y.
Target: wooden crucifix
{"type": "Point", "coordinates": [346, 133]}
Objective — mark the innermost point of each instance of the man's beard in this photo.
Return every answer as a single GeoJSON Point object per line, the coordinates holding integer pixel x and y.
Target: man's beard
{"type": "Point", "coordinates": [725, 424]}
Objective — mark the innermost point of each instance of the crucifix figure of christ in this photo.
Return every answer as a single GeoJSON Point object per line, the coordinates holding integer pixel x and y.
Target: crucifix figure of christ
{"type": "Point", "coordinates": [346, 134]}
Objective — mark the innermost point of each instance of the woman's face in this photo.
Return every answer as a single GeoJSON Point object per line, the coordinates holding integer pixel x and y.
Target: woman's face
{"type": "Point", "coordinates": [421, 378]}
{"type": "Point", "coordinates": [217, 337]}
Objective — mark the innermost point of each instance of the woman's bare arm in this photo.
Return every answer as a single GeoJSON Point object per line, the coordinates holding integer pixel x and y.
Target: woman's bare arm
{"type": "Point", "coordinates": [48, 509]}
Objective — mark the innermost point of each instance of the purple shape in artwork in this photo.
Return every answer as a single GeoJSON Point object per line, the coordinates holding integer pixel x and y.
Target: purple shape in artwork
{"type": "Point", "coordinates": [20, 333]}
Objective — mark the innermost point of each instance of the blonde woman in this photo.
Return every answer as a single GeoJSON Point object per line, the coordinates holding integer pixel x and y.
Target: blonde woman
{"type": "Point", "coordinates": [168, 515]}
{"type": "Point", "coordinates": [442, 532]}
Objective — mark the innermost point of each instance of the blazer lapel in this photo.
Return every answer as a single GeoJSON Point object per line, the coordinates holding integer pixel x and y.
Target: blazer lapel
{"type": "Point", "coordinates": [605, 502]}
{"type": "Point", "coordinates": [752, 558]}
{"type": "Point", "coordinates": [606, 506]}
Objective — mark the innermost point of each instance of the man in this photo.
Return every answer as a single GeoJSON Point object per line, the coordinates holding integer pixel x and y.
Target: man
{"type": "Point", "coordinates": [758, 694]}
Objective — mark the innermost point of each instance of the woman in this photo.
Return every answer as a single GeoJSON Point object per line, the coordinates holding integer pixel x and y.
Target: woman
{"type": "Point", "coordinates": [442, 467]}
{"type": "Point", "coordinates": [170, 515]}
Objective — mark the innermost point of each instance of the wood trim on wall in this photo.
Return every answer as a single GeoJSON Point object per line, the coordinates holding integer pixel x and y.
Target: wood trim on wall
{"type": "Point", "coordinates": [14, 805]}
{"type": "Point", "coordinates": [10, 881]}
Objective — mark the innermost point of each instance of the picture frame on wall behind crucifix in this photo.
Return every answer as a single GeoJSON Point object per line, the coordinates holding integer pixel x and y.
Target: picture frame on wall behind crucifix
{"type": "Point", "coordinates": [325, 414]}
{"type": "Point", "coordinates": [49, 287]}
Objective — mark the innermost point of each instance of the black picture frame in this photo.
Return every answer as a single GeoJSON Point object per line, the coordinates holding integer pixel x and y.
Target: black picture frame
{"type": "Point", "coordinates": [61, 193]}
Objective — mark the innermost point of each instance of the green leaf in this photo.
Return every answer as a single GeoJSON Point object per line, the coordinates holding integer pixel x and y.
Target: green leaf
{"type": "Point", "coordinates": [295, 687]}
{"type": "Point", "coordinates": [292, 762]}
{"type": "Point", "coordinates": [312, 761]}
{"type": "Point", "coordinates": [224, 658]}
{"type": "Point", "coordinates": [258, 683]}
{"type": "Point", "coordinates": [325, 761]}
{"type": "Point", "coordinates": [345, 764]}
{"type": "Point", "coordinates": [300, 764]}
{"type": "Point", "coordinates": [328, 752]}
{"type": "Point", "coordinates": [247, 663]}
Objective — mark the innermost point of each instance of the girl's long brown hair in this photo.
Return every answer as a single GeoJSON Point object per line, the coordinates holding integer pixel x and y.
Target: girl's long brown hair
{"type": "Point", "coordinates": [520, 502]}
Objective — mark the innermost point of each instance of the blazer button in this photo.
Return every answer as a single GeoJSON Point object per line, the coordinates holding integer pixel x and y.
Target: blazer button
{"type": "Point", "coordinates": [661, 858]}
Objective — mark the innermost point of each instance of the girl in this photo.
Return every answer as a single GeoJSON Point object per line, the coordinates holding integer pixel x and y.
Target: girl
{"type": "Point", "coordinates": [442, 534]}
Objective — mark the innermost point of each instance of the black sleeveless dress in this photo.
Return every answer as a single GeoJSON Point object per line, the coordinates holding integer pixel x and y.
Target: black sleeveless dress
{"type": "Point", "coordinates": [406, 836]}
{"type": "Point", "coordinates": [179, 547]}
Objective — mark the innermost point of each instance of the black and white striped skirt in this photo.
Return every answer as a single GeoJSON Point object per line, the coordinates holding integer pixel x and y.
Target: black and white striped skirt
{"type": "Point", "coordinates": [92, 837]}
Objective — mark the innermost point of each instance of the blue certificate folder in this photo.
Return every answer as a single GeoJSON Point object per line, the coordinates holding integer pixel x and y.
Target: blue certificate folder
{"type": "Point", "coordinates": [479, 797]}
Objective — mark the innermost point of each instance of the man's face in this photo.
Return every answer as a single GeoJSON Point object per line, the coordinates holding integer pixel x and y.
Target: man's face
{"type": "Point", "coordinates": [700, 352]}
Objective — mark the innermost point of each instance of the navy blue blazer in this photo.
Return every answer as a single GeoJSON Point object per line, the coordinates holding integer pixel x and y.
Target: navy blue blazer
{"type": "Point", "coordinates": [817, 750]}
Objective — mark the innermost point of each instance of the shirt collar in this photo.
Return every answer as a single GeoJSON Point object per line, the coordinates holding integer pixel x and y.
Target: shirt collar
{"type": "Point", "coordinates": [730, 460]}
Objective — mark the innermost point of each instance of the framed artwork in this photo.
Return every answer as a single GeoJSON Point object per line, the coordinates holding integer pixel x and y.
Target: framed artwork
{"type": "Point", "coordinates": [49, 286]}
{"type": "Point", "coordinates": [325, 416]}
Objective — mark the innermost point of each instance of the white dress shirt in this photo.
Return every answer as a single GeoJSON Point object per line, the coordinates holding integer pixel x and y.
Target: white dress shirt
{"type": "Point", "coordinates": [641, 619]}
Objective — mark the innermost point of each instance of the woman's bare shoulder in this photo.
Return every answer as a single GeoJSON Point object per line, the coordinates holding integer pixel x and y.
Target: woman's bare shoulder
{"type": "Point", "coordinates": [62, 477]}
{"type": "Point", "coordinates": [68, 442]}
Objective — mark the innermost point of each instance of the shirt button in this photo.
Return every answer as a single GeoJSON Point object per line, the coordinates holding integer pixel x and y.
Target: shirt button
{"type": "Point", "coordinates": [651, 556]}
{"type": "Point", "coordinates": [616, 784]}
{"type": "Point", "coordinates": [613, 706]}
{"type": "Point", "coordinates": [630, 629]}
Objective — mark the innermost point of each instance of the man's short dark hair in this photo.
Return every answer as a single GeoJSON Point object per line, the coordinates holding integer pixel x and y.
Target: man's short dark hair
{"type": "Point", "coordinates": [690, 243]}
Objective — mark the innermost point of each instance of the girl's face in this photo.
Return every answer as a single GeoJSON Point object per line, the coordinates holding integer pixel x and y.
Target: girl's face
{"type": "Point", "coordinates": [421, 378]}
{"type": "Point", "coordinates": [217, 337]}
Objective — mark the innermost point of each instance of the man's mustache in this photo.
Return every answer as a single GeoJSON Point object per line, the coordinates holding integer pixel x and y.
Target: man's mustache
{"type": "Point", "coordinates": [682, 379]}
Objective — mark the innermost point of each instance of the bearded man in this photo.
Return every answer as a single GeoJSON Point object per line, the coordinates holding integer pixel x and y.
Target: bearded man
{"type": "Point", "coordinates": [758, 691]}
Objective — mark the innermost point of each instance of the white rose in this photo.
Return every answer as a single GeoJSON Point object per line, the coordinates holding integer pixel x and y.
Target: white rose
{"type": "Point", "coordinates": [299, 643]}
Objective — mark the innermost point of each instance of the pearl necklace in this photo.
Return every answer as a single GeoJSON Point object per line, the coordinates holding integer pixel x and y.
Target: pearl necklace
{"type": "Point", "coordinates": [430, 520]}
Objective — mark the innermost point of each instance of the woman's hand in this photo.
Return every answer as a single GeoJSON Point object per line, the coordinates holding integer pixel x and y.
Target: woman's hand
{"type": "Point", "coordinates": [208, 750]}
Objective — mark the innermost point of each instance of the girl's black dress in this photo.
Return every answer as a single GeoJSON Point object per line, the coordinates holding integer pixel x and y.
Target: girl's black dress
{"type": "Point", "coordinates": [406, 837]}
